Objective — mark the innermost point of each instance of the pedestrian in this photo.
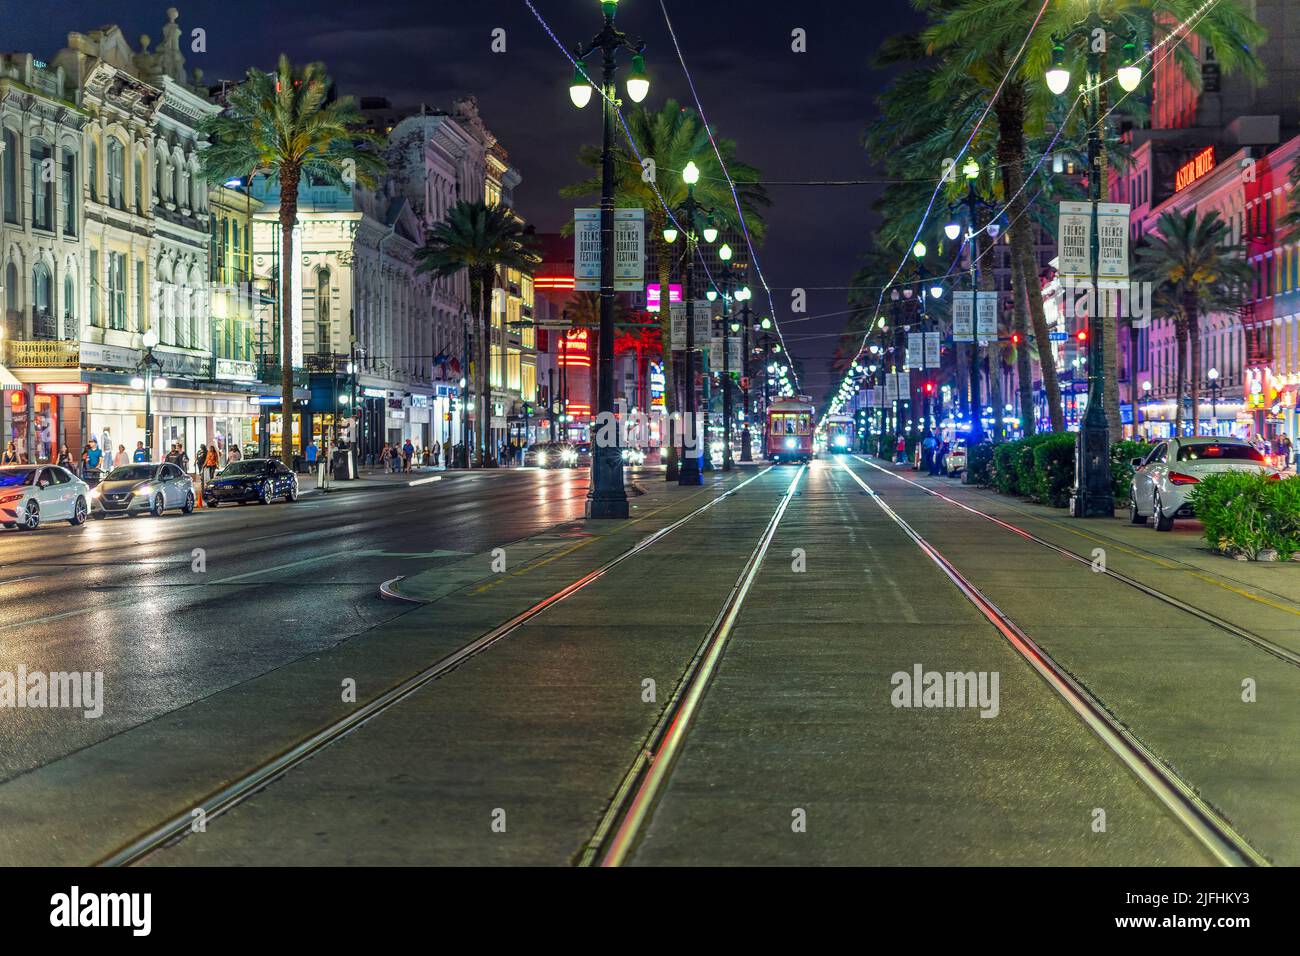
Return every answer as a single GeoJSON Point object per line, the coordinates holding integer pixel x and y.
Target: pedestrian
{"type": "Point", "coordinates": [385, 456]}
{"type": "Point", "coordinates": [10, 456]}
{"type": "Point", "coordinates": [93, 455]}
{"type": "Point", "coordinates": [1284, 450]}
{"type": "Point", "coordinates": [65, 458]}
{"type": "Point", "coordinates": [900, 450]}
{"type": "Point", "coordinates": [200, 459]}
{"type": "Point", "coordinates": [234, 454]}
{"type": "Point", "coordinates": [313, 452]}
{"type": "Point", "coordinates": [927, 453]}
{"type": "Point", "coordinates": [140, 454]}
{"type": "Point", "coordinates": [408, 451]}
{"type": "Point", "coordinates": [435, 452]}
{"type": "Point", "coordinates": [211, 462]}
{"type": "Point", "coordinates": [121, 457]}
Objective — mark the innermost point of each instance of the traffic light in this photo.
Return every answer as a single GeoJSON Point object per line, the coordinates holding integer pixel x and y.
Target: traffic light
{"type": "Point", "coordinates": [1081, 336]}
{"type": "Point", "coordinates": [1015, 338]}
{"type": "Point", "coordinates": [929, 388]}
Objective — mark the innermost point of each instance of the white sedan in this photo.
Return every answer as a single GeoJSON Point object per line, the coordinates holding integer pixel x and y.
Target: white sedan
{"type": "Point", "coordinates": [1164, 479]}
{"type": "Point", "coordinates": [30, 494]}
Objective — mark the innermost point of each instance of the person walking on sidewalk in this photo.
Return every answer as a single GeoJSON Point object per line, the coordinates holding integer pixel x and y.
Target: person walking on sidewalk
{"type": "Point", "coordinates": [1283, 446]}
{"type": "Point", "coordinates": [121, 457]}
{"type": "Point", "coordinates": [408, 452]}
{"type": "Point", "coordinates": [313, 452]}
{"type": "Point", "coordinates": [234, 454]}
{"type": "Point", "coordinates": [386, 458]}
{"type": "Point", "coordinates": [435, 452]}
{"type": "Point", "coordinates": [65, 459]}
{"type": "Point", "coordinates": [140, 454]}
{"type": "Point", "coordinates": [211, 462]}
{"type": "Point", "coordinates": [927, 453]}
{"type": "Point", "coordinates": [10, 455]}
{"type": "Point", "coordinates": [900, 450]}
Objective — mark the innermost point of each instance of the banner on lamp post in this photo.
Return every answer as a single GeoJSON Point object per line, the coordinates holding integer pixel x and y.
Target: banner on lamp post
{"type": "Point", "coordinates": [931, 349]}
{"type": "Point", "coordinates": [1112, 244]}
{"type": "Point", "coordinates": [915, 349]}
{"type": "Point", "coordinates": [677, 317]}
{"type": "Point", "coordinates": [1074, 240]}
{"type": "Point", "coordinates": [891, 388]}
{"type": "Point", "coordinates": [629, 250]}
{"type": "Point", "coordinates": [963, 317]}
{"type": "Point", "coordinates": [986, 319]}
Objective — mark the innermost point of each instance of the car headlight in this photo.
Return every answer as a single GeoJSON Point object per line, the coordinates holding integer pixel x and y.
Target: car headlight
{"type": "Point", "coordinates": [541, 458]}
{"type": "Point", "coordinates": [143, 490]}
{"type": "Point", "coordinates": [94, 492]}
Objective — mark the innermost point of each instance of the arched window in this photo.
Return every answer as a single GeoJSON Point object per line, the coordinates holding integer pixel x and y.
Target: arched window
{"type": "Point", "coordinates": [13, 317]}
{"type": "Point", "coordinates": [69, 193]}
{"type": "Point", "coordinates": [139, 185]}
{"type": "Point", "coordinates": [10, 172]}
{"type": "Point", "coordinates": [92, 170]}
{"type": "Point", "coordinates": [181, 195]}
{"type": "Point", "coordinates": [42, 186]}
{"type": "Point", "coordinates": [116, 173]}
{"type": "Point", "coordinates": [323, 311]}
{"type": "Point", "coordinates": [43, 325]}
{"type": "Point", "coordinates": [71, 326]}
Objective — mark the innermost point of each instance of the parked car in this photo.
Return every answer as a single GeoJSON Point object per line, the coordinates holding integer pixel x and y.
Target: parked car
{"type": "Point", "coordinates": [1164, 479]}
{"type": "Point", "coordinates": [30, 494]}
{"type": "Point", "coordinates": [955, 464]}
{"type": "Point", "coordinates": [253, 479]}
{"type": "Point", "coordinates": [144, 488]}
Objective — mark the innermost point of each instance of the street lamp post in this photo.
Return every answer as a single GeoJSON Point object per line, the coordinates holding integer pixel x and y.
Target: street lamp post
{"type": "Point", "coordinates": [607, 497]}
{"type": "Point", "coordinates": [746, 452]}
{"type": "Point", "coordinates": [147, 380]}
{"type": "Point", "coordinates": [690, 472]}
{"type": "Point", "coordinates": [1146, 403]}
{"type": "Point", "coordinates": [1092, 474]}
{"type": "Point", "coordinates": [1214, 399]}
{"type": "Point", "coordinates": [973, 204]}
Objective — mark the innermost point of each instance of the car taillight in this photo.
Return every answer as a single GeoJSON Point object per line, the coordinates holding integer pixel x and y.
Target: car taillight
{"type": "Point", "coordinates": [1178, 478]}
{"type": "Point", "coordinates": [1276, 476]}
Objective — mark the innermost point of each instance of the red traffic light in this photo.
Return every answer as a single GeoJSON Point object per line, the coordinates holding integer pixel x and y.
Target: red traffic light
{"type": "Point", "coordinates": [929, 388]}
{"type": "Point", "coordinates": [1015, 338]}
{"type": "Point", "coordinates": [1081, 335]}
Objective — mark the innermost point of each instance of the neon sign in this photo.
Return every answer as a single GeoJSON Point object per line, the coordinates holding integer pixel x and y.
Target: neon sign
{"type": "Point", "coordinates": [1194, 169]}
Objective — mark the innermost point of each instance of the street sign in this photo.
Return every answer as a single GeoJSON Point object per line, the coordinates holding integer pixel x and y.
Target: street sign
{"type": "Point", "coordinates": [1058, 336]}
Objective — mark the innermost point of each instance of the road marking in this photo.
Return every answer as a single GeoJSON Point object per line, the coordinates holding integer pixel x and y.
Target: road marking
{"type": "Point", "coordinates": [424, 481]}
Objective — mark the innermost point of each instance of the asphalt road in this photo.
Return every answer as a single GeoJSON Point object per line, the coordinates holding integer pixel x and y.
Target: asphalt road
{"type": "Point", "coordinates": [123, 596]}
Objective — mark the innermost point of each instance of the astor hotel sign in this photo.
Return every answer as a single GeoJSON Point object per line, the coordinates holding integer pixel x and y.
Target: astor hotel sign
{"type": "Point", "coordinates": [1194, 169]}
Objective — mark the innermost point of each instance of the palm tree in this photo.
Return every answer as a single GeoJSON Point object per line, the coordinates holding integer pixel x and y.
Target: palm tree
{"type": "Point", "coordinates": [1196, 268]}
{"type": "Point", "coordinates": [481, 240]}
{"type": "Point", "coordinates": [672, 136]}
{"type": "Point", "coordinates": [285, 124]}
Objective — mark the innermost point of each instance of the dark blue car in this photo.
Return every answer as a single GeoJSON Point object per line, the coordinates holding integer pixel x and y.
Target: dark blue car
{"type": "Point", "coordinates": [253, 479]}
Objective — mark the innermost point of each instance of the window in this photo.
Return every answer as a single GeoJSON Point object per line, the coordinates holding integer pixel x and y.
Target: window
{"type": "Point", "coordinates": [116, 291]}
{"type": "Point", "coordinates": [42, 307]}
{"type": "Point", "coordinates": [116, 173]}
{"type": "Point", "coordinates": [139, 294]}
{"type": "Point", "coordinates": [92, 171]}
{"type": "Point", "coordinates": [94, 287]}
{"type": "Point", "coordinates": [71, 328]}
{"type": "Point", "coordinates": [10, 173]}
{"type": "Point", "coordinates": [42, 186]}
{"type": "Point", "coordinates": [69, 194]}
{"type": "Point", "coordinates": [139, 185]}
{"type": "Point", "coordinates": [323, 311]}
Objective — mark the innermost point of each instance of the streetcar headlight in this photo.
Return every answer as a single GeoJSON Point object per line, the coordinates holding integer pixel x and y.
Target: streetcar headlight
{"type": "Point", "coordinates": [839, 441]}
{"type": "Point", "coordinates": [790, 443]}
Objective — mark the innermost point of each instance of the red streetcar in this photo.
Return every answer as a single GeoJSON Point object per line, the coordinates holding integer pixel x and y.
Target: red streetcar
{"type": "Point", "coordinates": [790, 429]}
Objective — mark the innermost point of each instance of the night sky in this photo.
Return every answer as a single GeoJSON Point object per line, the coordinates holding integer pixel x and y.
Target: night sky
{"type": "Point", "coordinates": [796, 116]}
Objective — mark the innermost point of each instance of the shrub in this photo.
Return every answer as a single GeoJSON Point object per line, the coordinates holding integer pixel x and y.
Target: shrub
{"type": "Point", "coordinates": [1248, 513]}
{"type": "Point", "coordinates": [1054, 469]}
{"type": "Point", "coordinates": [978, 459]}
{"type": "Point", "coordinates": [1121, 469]}
{"type": "Point", "coordinates": [1003, 467]}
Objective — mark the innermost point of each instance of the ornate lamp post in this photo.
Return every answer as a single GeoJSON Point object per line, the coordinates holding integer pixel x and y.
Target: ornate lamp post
{"type": "Point", "coordinates": [691, 216]}
{"type": "Point", "coordinates": [148, 368]}
{"type": "Point", "coordinates": [607, 497]}
{"type": "Point", "coordinates": [1092, 476]}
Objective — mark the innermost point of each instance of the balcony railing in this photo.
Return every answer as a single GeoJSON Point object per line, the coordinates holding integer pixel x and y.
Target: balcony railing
{"type": "Point", "coordinates": [42, 353]}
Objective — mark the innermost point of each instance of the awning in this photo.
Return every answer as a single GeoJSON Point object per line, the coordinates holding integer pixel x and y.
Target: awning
{"type": "Point", "coordinates": [7, 380]}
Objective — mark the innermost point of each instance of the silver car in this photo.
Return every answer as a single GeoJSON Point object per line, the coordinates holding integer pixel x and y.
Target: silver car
{"type": "Point", "coordinates": [1164, 479]}
{"type": "Point", "coordinates": [30, 494]}
{"type": "Point", "coordinates": [143, 488]}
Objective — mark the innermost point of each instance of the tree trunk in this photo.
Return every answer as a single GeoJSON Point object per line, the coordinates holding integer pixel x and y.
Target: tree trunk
{"type": "Point", "coordinates": [1011, 154]}
{"type": "Point", "coordinates": [1194, 333]}
{"type": "Point", "coordinates": [1024, 368]}
{"type": "Point", "coordinates": [1109, 321]}
{"type": "Point", "coordinates": [288, 219]}
{"type": "Point", "coordinates": [1180, 376]}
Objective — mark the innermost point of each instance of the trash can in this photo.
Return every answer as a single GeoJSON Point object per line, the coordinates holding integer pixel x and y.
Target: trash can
{"type": "Point", "coordinates": [342, 465]}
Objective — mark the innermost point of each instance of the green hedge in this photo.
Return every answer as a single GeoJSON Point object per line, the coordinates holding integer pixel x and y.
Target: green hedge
{"type": "Point", "coordinates": [1122, 454]}
{"type": "Point", "coordinates": [1248, 513]}
{"type": "Point", "coordinates": [1054, 469]}
{"type": "Point", "coordinates": [979, 458]}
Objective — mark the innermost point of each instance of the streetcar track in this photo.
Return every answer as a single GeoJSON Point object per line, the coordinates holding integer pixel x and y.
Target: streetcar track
{"type": "Point", "coordinates": [1202, 820]}
{"type": "Point", "coordinates": [634, 799]}
{"type": "Point", "coordinates": [1261, 643]}
{"type": "Point", "coordinates": [256, 779]}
